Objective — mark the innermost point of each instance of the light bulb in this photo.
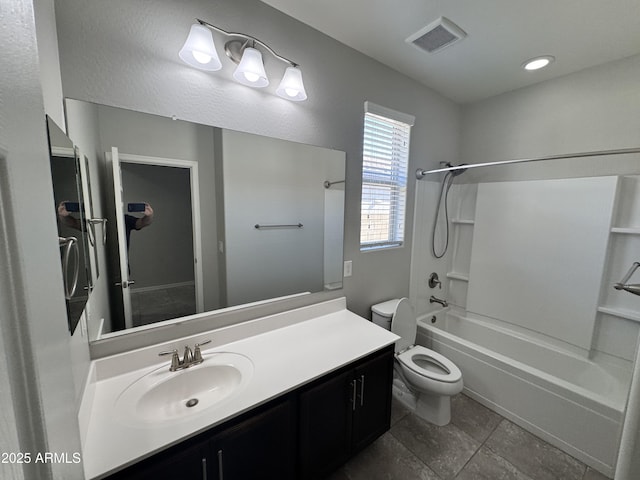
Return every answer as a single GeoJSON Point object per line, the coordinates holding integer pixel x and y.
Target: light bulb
{"type": "Point", "coordinates": [292, 92]}
{"type": "Point", "coordinates": [251, 77]}
{"type": "Point", "coordinates": [201, 57]}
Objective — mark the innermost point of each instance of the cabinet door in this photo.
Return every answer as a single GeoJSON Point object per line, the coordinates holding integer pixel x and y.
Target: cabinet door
{"type": "Point", "coordinates": [326, 411]}
{"type": "Point", "coordinates": [372, 415]}
{"type": "Point", "coordinates": [263, 446]}
{"type": "Point", "coordinates": [181, 462]}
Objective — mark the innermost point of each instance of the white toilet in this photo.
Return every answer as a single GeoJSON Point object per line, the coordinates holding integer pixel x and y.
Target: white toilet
{"type": "Point", "coordinates": [424, 380]}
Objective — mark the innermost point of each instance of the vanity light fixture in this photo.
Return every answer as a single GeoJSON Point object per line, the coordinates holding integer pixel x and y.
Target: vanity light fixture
{"type": "Point", "coordinates": [538, 62]}
{"type": "Point", "coordinates": [199, 51]}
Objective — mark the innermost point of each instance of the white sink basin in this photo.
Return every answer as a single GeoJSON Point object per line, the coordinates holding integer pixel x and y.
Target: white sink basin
{"type": "Point", "coordinates": [162, 397]}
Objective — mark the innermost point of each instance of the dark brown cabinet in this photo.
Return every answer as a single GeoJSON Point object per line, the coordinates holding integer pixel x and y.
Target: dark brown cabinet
{"type": "Point", "coordinates": [262, 446]}
{"type": "Point", "coordinates": [372, 415]}
{"type": "Point", "coordinates": [342, 413]}
{"type": "Point", "coordinates": [263, 443]}
{"type": "Point", "coordinates": [303, 434]}
{"type": "Point", "coordinates": [187, 460]}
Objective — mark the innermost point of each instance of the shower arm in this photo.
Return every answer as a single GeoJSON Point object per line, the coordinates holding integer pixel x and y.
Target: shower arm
{"type": "Point", "coordinates": [623, 285]}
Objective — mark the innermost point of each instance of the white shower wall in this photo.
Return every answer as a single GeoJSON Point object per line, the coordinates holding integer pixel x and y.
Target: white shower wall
{"type": "Point", "coordinates": [453, 270]}
{"type": "Point", "coordinates": [608, 327]}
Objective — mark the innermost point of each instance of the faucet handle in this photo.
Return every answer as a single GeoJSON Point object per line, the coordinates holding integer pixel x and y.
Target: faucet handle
{"type": "Point", "coordinates": [175, 359]}
{"type": "Point", "coordinates": [434, 280]}
{"type": "Point", "coordinates": [197, 355]}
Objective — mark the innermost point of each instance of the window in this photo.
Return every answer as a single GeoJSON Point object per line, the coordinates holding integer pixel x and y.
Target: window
{"type": "Point", "coordinates": [385, 158]}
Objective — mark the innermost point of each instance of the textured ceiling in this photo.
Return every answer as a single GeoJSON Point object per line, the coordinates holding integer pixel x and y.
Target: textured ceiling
{"type": "Point", "coordinates": [501, 35]}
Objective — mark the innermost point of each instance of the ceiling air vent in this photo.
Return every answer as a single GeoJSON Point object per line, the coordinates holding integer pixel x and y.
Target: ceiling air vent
{"type": "Point", "coordinates": [437, 35]}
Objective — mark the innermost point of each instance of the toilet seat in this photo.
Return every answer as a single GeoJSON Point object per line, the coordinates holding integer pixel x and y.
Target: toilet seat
{"type": "Point", "coordinates": [451, 373]}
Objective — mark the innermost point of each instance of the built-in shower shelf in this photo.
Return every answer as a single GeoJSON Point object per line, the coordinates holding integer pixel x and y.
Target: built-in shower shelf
{"type": "Point", "coordinates": [626, 230]}
{"type": "Point", "coordinates": [620, 313]}
{"type": "Point", "coordinates": [458, 276]}
{"type": "Point", "coordinates": [462, 221]}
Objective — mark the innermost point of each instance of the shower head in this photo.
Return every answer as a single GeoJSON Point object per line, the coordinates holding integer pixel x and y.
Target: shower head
{"type": "Point", "coordinates": [456, 168]}
{"type": "Point", "coordinates": [458, 171]}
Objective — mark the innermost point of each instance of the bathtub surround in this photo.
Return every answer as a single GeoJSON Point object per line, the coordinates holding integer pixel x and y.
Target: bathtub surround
{"type": "Point", "coordinates": [538, 254]}
{"type": "Point", "coordinates": [537, 329]}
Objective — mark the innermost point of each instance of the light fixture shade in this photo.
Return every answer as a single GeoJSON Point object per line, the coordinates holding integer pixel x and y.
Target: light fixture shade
{"type": "Point", "coordinates": [199, 50]}
{"type": "Point", "coordinates": [291, 86]}
{"type": "Point", "coordinates": [250, 70]}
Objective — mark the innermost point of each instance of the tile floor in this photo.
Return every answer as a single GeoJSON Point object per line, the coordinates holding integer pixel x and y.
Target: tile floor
{"type": "Point", "coordinates": [162, 304]}
{"type": "Point", "coordinates": [478, 444]}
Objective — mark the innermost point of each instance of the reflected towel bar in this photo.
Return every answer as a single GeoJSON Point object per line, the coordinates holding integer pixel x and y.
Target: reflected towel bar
{"type": "Point", "coordinates": [297, 225]}
{"type": "Point", "coordinates": [327, 183]}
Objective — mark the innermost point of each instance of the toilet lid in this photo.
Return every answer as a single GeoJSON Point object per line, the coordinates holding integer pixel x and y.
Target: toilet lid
{"type": "Point", "coordinates": [404, 325]}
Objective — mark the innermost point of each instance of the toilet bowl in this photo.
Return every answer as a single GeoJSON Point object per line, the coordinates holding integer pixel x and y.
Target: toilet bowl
{"type": "Point", "coordinates": [429, 377]}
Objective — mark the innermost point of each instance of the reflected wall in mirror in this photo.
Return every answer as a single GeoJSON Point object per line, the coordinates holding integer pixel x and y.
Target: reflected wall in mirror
{"type": "Point", "coordinates": [201, 218]}
{"type": "Point", "coordinates": [71, 212]}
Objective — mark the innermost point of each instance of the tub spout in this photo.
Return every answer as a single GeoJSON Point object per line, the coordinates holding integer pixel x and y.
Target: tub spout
{"type": "Point", "coordinates": [435, 299]}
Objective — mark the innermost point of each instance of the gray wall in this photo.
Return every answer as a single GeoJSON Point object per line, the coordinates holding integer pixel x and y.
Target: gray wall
{"type": "Point", "coordinates": [139, 69]}
{"type": "Point", "coordinates": [273, 182]}
{"type": "Point", "coordinates": [596, 109]}
{"type": "Point", "coordinates": [38, 397]}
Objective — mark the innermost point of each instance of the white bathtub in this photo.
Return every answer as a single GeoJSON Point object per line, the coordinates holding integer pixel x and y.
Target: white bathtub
{"type": "Point", "coordinates": [569, 401]}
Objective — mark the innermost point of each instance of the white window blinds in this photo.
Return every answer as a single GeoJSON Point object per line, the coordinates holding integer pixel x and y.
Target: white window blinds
{"type": "Point", "coordinates": [384, 176]}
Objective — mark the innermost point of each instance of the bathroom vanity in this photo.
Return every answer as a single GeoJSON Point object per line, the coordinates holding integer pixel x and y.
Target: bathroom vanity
{"type": "Point", "coordinates": [292, 395]}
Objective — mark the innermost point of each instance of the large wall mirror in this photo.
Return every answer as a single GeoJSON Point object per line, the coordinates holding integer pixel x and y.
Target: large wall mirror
{"type": "Point", "coordinates": [201, 218]}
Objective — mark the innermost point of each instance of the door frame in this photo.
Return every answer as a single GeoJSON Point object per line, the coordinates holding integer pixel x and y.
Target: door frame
{"type": "Point", "coordinates": [195, 210]}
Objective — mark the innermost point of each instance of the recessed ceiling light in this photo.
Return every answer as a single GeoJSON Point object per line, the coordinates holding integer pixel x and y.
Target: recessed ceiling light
{"type": "Point", "coordinates": [538, 62]}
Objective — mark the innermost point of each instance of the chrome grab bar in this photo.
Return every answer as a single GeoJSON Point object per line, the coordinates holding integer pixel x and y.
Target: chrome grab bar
{"type": "Point", "coordinates": [99, 221]}
{"type": "Point", "coordinates": [297, 225]}
{"type": "Point", "coordinates": [69, 243]}
{"type": "Point", "coordinates": [629, 287]}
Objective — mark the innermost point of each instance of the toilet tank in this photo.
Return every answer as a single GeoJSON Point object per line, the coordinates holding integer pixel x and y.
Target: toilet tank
{"type": "Point", "coordinates": [382, 313]}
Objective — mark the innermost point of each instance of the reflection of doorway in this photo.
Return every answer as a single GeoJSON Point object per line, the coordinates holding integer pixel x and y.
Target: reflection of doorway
{"type": "Point", "coordinates": [164, 276]}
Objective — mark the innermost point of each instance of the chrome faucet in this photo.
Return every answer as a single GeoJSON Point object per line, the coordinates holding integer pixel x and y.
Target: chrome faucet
{"type": "Point", "coordinates": [435, 299]}
{"type": "Point", "coordinates": [189, 358]}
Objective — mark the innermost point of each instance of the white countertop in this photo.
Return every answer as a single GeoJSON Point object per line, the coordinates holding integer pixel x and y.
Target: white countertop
{"type": "Point", "coordinates": [303, 344]}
